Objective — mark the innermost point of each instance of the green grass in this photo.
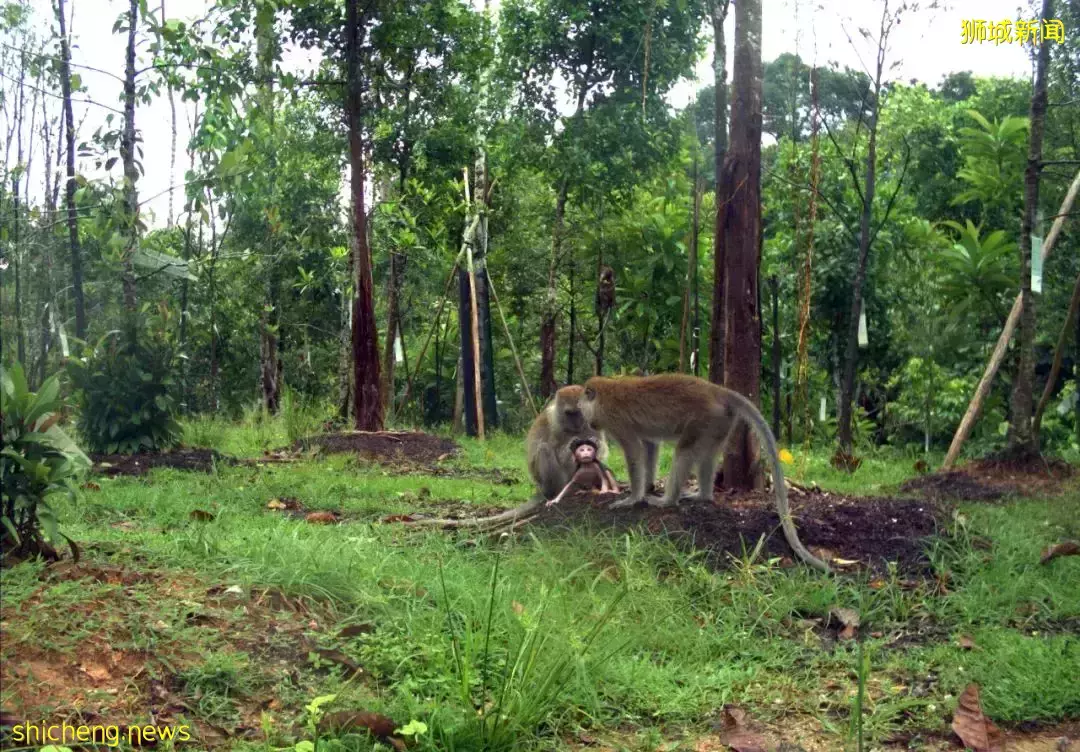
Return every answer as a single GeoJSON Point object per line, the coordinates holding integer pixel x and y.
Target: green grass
{"type": "Point", "coordinates": [483, 659]}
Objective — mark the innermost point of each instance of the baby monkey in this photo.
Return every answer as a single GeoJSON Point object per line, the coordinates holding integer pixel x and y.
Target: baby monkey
{"type": "Point", "coordinates": [590, 472]}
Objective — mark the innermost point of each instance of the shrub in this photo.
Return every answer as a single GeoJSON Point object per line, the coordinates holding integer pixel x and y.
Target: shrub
{"type": "Point", "coordinates": [125, 400]}
{"type": "Point", "coordinates": [37, 460]}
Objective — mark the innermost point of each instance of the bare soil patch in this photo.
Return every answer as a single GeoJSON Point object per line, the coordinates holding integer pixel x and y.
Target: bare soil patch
{"type": "Point", "coordinates": [396, 446]}
{"type": "Point", "coordinates": [995, 478]}
{"type": "Point", "coordinates": [185, 458]}
{"type": "Point", "coordinates": [871, 531]}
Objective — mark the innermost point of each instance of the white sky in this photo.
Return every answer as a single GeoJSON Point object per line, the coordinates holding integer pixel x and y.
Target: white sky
{"type": "Point", "coordinates": [928, 44]}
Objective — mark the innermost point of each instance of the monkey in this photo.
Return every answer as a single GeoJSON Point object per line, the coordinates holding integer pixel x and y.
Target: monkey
{"type": "Point", "coordinates": [590, 472]}
{"type": "Point", "coordinates": [548, 444]}
{"type": "Point", "coordinates": [549, 455]}
{"type": "Point", "coordinates": [605, 291]}
{"type": "Point", "coordinates": [639, 411]}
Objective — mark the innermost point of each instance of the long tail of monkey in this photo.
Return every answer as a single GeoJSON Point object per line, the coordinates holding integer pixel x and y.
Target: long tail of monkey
{"type": "Point", "coordinates": [764, 436]}
{"type": "Point", "coordinates": [510, 515]}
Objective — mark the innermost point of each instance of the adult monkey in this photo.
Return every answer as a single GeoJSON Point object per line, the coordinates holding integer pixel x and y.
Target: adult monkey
{"type": "Point", "coordinates": [639, 411]}
{"type": "Point", "coordinates": [550, 458]}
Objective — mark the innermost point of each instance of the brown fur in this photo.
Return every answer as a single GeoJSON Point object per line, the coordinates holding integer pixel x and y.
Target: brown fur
{"type": "Point", "coordinates": [699, 416]}
{"type": "Point", "coordinates": [550, 459]}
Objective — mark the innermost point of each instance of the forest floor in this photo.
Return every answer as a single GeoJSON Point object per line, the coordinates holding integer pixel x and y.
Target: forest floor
{"type": "Point", "coordinates": [234, 591]}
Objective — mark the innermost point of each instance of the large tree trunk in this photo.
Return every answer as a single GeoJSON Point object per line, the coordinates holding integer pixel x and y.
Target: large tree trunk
{"type": "Point", "coordinates": [718, 325]}
{"type": "Point", "coordinates": [394, 281]}
{"type": "Point", "coordinates": [1021, 438]}
{"type": "Point", "coordinates": [131, 172]}
{"type": "Point", "coordinates": [739, 226]}
{"type": "Point", "coordinates": [367, 403]}
{"type": "Point", "coordinates": [775, 288]}
{"type": "Point", "coordinates": [69, 193]}
{"type": "Point", "coordinates": [851, 353]}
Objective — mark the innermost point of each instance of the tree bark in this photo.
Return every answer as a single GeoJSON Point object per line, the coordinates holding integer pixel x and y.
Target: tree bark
{"type": "Point", "coordinates": [69, 192]}
{"type": "Point", "coordinates": [1021, 437]}
{"type": "Point", "coordinates": [718, 327]}
{"type": "Point", "coordinates": [547, 323]}
{"type": "Point", "coordinates": [685, 333]}
{"type": "Point", "coordinates": [483, 296]}
{"type": "Point", "coordinates": [739, 225]}
{"type": "Point", "coordinates": [20, 107]}
{"type": "Point", "coordinates": [367, 403]}
{"type": "Point", "coordinates": [131, 172]}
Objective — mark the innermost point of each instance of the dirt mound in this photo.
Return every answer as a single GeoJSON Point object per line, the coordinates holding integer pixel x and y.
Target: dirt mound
{"type": "Point", "coordinates": [994, 478]}
{"type": "Point", "coordinates": [871, 531]}
{"type": "Point", "coordinates": [188, 458]}
{"type": "Point", "coordinates": [412, 446]}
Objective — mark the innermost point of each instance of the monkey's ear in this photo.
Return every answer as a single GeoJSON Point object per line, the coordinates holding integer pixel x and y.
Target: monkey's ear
{"type": "Point", "coordinates": [590, 393]}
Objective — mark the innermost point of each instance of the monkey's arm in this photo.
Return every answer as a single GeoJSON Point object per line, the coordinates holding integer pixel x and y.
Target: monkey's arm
{"type": "Point", "coordinates": [570, 484]}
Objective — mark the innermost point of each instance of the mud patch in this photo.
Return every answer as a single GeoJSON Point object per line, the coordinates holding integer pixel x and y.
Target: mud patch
{"type": "Point", "coordinates": [188, 458]}
{"type": "Point", "coordinates": [995, 478]}
{"type": "Point", "coordinates": [397, 446]}
{"type": "Point", "coordinates": [869, 530]}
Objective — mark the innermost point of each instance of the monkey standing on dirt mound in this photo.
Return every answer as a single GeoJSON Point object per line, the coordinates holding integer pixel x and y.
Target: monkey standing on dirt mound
{"type": "Point", "coordinates": [639, 411]}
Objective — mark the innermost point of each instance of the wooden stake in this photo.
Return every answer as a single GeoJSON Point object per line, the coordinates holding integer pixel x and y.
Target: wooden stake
{"type": "Point", "coordinates": [474, 318]}
{"type": "Point", "coordinates": [1006, 335]}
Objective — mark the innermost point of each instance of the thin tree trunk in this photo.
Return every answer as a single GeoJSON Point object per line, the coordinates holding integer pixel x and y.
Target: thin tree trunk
{"type": "Point", "coordinates": [774, 284]}
{"type": "Point", "coordinates": [72, 214]}
{"type": "Point", "coordinates": [851, 354]}
{"type": "Point", "coordinates": [739, 225]}
{"type": "Point", "coordinates": [474, 330]}
{"type": "Point", "coordinates": [572, 338]}
{"type": "Point", "coordinates": [1059, 356]}
{"type": "Point", "coordinates": [547, 323]}
{"type": "Point", "coordinates": [718, 326]}
{"type": "Point", "coordinates": [19, 114]}
{"type": "Point", "coordinates": [459, 393]}
{"type": "Point", "coordinates": [691, 268]}
{"type": "Point", "coordinates": [367, 404]}
{"type": "Point", "coordinates": [483, 295]}
{"type": "Point", "coordinates": [131, 172]}
{"type": "Point", "coordinates": [172, 148]}
{"type": "Point", "coordinates": [695, 279]}
{"type": "Point", "coordinates": [1022, 438]}
{"type": "Point", "coordinates": [983, 387]}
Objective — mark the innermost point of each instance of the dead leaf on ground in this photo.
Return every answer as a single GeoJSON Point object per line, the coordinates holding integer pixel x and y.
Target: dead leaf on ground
{"type": "Point", "coordinates": [355, 630]}
{"type": "Point", "coordinates": [965, 642]}
{"type": "Point", "coordinates": [735, 732]}
{"type": "Point", "coordinates": [381, 727]}
{"type": "Point", "coordinates": [201, 515]}
{"type": "Point", "coordinates": [321, 518]}
{"type": "Point", "coordinates": [336, 656]}
{"type": "Point", "coordinates": [91, 486]}
{"type": "Point", "coordinates": [1065, 548]}
{"type": "Point", "coordinates": [399, 518]}
{"type": "Point", "coordinates": [849, 622]}
{"type": "Point", "coordinates": [975, 729]}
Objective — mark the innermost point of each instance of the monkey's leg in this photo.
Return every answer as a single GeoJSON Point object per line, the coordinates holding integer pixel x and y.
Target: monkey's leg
{"type": "Point", "coordinates": [706, 472]}
{"type": "Point", "coordinates": [685, 453]}
{"type": "Point", "coordinates": [652, 462]}
{"type": "Point", "coordinates": [634, 450]}
{"type": "Point", "coordinates": [553, 474]}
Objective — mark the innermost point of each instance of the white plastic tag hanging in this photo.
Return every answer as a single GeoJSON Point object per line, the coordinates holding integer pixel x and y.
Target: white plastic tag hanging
{"type": "Point", "coordinates": [864, 340]}
{"type": "Point", "coordinates": [1036, 264]}
{"type": "Point", "coordinates": [821, 411]}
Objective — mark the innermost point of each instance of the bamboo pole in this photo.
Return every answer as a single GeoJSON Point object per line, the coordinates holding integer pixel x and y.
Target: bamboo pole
{"type": "Point", "coordinates": [1006, 335]}
{"type": "Point", "coordinates": [470, 238]}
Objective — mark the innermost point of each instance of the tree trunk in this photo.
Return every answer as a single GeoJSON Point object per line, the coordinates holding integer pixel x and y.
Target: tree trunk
{"type": "Point", "coordinates": [482, 194]}
{"type": "Point", "coordinates": [69, 193]}
{"type": "Point", "coordinates": [20, 108]}
{"type": "Point", "coordinates": [572, 337]}
{"type": "Point", "coordinates": [1022, 439]}
{"type": "Point", "coordinates": [459, 395]}
{"type": "Point", "coordinates": [718, 326]}
{"type": "Point", "coordinates": [468, 362]}
{"type": "Point", "coordinates": [739, 224]}
{"type": "Point", "coordinates": [172, 148]}
{"type": "Point", "coordinates": [851, 354]}
{"type": "Point", "coordinates": [394, 281]}
{"type": "Point", "coordinates": [1059, 356]}
{"type": "Point", "coordinates": [367, 403]}
{"type": "Point", "coordinates": [270, 315]}
{"type": "Point", "coordinates": [774, 284]}
{"type": "Point", "coordinates": [131, 172]}
{"type": "Point", "coordinates": [695, 279]}
{"type": "Point", "coordinates": [685, 334]}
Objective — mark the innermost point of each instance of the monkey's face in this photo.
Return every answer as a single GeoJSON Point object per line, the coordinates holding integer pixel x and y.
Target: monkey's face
{"type": "Point", "coordinates": [585, 454]}
{"type": "Point", "coordinates": [568, 407]}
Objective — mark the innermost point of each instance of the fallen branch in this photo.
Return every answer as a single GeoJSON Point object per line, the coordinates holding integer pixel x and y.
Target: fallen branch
{"type": "Point", "coordinates": [528, 509]}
